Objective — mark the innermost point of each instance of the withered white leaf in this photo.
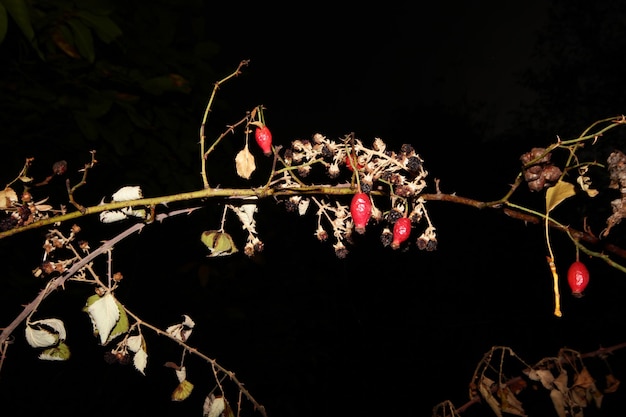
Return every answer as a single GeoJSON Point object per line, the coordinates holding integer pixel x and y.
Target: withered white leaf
{"type": "Point", "coordinates": [129, 211]}
{"type": "Point", "coordinates": [129, 192]}
{"type": "Point", "coordinates": [112, 216]}
{"type": "Point", "coordinates": [181, 331]}
{"type": "Point", "coordinates": [585, 185]}
{"type": "Point", "coordinates": [45, 333]}
{"type": "Point", "coordinates": [140, 360]}
{"type": "Point", "coordinates": [246, 213]}
{"type": "Point", "coordinates": [244, 162]}
{"type": "Point", "coordinates": [181, 373]}
{"type": "Point", "coordinates": [213, 406]}
{"type": "Point", "coordinates": [8, 196]}
{"type": "Point", "coordinates": [104, 314]}
{"type": "Point", "coordinates": [303, 205]}
{"type": "Point", "coordinates": [137, 344]}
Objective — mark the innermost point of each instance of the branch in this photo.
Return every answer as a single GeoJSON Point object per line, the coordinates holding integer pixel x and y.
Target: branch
{"type": "Point", "coordinates": [217, 85]}
{"type": "Point", "coordinates": [213, 362]}
{"type": "Point", "coordinates": [601, 353]}
{"type": "Point", "coordinates": [60, 281]}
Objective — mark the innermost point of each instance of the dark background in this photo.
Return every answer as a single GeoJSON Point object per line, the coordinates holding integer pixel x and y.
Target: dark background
{"type": "Point", "coordinates": [471, 87]}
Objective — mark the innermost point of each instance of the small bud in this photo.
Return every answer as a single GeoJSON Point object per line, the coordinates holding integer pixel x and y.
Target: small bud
{"type": "Point", "coordinates": [59, 167]}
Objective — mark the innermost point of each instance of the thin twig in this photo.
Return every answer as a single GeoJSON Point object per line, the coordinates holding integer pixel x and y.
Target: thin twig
{"type": "Point", "coordinates": [207, 110]}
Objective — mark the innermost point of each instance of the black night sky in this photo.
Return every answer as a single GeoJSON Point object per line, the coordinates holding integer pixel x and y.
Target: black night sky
{"type": "Point", "coordinates": [381, 332]}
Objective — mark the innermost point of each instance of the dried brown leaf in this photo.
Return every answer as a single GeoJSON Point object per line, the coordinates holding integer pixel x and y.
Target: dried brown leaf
{"type": "Point", "coordinates": [244, 161]}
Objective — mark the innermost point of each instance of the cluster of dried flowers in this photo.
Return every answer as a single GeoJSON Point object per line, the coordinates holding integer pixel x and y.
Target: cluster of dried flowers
{"type": "Point", "coordinates": [393, 181]}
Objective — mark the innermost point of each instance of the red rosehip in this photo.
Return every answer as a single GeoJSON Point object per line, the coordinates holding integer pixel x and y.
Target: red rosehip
{"type": "Point", "coordinates": [401, 231]}
{"type": "Point", "coordinates": [578, 278]}
{"type": "Point", "coordinates": [348, 162]}
{"type": "Point", "coordinates": [361, 210]}
{"type": "Point", "coordinates": [263, 138]}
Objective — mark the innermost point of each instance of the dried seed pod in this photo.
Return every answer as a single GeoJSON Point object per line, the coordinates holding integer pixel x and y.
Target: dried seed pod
{"type": "Point", "coordinates": [535, 153]}
{"type": "Point", "coordinates": [551, 175]}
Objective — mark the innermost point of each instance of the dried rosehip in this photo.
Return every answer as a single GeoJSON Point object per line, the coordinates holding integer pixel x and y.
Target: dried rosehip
{"type": "Point", "coordinates": [361, 210]}
{"type": "Point", "coordinates": [59, 167]}
{"type": "Point", "coordinates": [263, 138]}
{"type": "Point", "coordinates": [401, 231]}
{"type": "Point", "coordinates": [578, 278]}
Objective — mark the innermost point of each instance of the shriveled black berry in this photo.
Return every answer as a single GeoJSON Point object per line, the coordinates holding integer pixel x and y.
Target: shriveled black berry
{"type": "Point", "coordinates": [413, 164]}
{"type": "Point", "coordinates": [110, 357]}
{"type": "Point", "coordinates": [341, 253]}
{"type": "Point", "coordinates": [393, 216]}
{"type": "Point", "coordinates": [291, 206]}
{"type": "Point", "coordinates": [426, 244]}
{"type": "Point", "coordinates": [7, 223]}
{"type": "Point", "coordinates": [123, 358]}
{"type": "Point", "coordinates": [407, 149]}
{"type": "Point", "coordinates": [386, 237]}
{"type": "Point", "coordinates": [327, 153]}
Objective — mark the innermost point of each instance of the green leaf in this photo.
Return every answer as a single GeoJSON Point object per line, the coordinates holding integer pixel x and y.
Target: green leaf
{"type": "Point", "coordinates": [165, 83]}
{"type": "Point", "coordinates": [559, 192]}
{"type": "Point", "coordinates": [219, 243]}
{"type": "Point", "coordinates": [83, 39]}
{"type": "Point", "coordinates": [105, 28]}
{"type": "Point", "coordinates": [18, 10]}
{"type": "Point", "coordinates": [64, 39]}
{"type": "Point", "coordinates": [122, 325]}
{"type": "Point", "coordinates": [4, 22]}
{"type": "Point", "coordinates": [89, 127]}
{"type": "Point", "coordinates": [61, 352]}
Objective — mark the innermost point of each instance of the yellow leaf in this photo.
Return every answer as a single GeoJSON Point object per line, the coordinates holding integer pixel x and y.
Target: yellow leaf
{"type": "Point", "coordinates": [555, 195]}
{"type": "Point", "coordinates": [182, 391]}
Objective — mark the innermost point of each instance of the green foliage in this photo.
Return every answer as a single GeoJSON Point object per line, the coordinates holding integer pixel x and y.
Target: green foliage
{"type": "Point", "coordinates": [117, 74]}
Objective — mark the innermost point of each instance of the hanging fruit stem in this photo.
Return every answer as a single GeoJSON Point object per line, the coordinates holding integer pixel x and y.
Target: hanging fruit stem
{"type": "Point", "coordinates": [557, 296]}
{"type": "Point", "coordinates": [354, 162]}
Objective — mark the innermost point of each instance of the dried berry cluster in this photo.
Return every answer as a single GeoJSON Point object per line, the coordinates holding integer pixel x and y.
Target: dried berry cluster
{"type": "Point", "coordinates": [617, 174]}
{"type": "Point", "coordinates": [539, 172]}
{"type": "Point", "coordinates": [59, 253]}
{"type": "Point", "coordinates": [382, 176]}
{"type": "Point", "coordinates": [22, 211]}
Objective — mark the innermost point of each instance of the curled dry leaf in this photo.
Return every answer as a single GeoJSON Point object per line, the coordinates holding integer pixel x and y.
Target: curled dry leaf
{"type": "Point", "coordinates": [45, 333]}
{"type": "Point", "coordinates": [8, 197]}
{"type": "Point", "coordinates": [127, 193]}
{"type": "Point", "coordinates": [244, 162]}
{"type": "Point", "coordinates": [182, 391]}
{"type": "Point", "coordinates": [137, 344]}
{"type": "Point", "coordinates": [216, 406]}
{"type": "Point", "coordinates": [219, 243]}
{"type": "Point", "coordinates": [181, 331]}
